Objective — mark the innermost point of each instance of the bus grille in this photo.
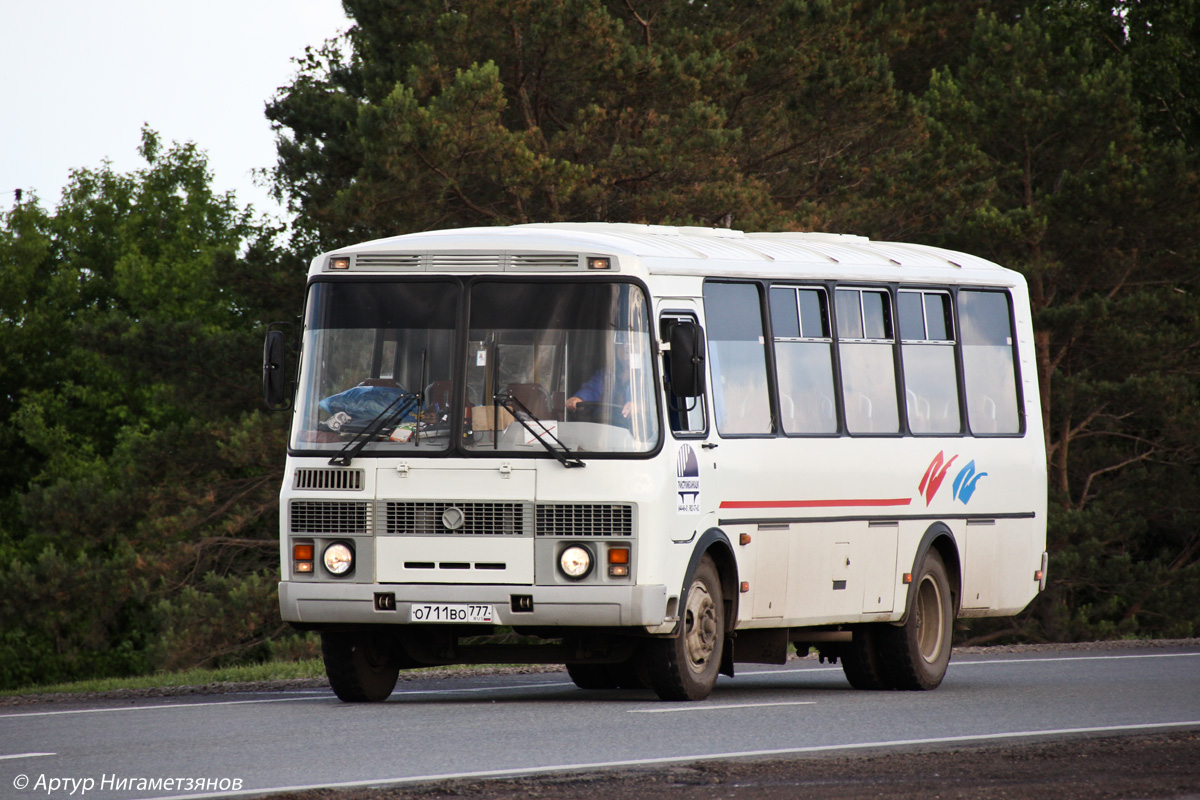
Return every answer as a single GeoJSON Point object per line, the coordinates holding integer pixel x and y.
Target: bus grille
{"type": "Point", "coordinates": [477, 519]}
{"type": "Point", "coordinates": [580, 519]}
{"type": "Point", "coordinates": [315, 516]}
{"type": "Point", "coordinates": [341, 479]}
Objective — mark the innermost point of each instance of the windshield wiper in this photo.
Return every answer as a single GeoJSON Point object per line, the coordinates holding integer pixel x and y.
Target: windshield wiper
{"type": "Point", "coordinates": [354, 446]}
{"type": "Point", "coordinates": [522, 414]}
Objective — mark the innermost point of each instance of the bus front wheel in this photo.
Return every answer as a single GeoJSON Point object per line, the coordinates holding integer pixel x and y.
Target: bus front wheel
{"type": "Point", "coordinates": [621, 675]}
{"type": "Point", "coordinates": [917, 653]}
{"type": "Point", "coordinates": [361, 666]}
{"type": "Point", "coordinates": [686, 667]}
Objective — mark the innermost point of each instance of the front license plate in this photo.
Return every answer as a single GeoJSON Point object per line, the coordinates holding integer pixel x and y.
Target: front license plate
{"type": "Point", "coordinates": [450, 612]}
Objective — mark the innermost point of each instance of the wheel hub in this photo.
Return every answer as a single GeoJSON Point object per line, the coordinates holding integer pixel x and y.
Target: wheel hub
{"type": "Point", "coordinates": [700, 629]}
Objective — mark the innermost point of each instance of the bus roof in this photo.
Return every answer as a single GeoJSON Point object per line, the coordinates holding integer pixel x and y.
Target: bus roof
{"type": "Point", "coordinates": [666, 249]}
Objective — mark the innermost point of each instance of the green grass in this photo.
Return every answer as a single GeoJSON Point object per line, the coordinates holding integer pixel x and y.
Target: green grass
{"type": "Point", "coordinates": [252, 673]}
{"type": "Point", "coordinates": [271, 671]}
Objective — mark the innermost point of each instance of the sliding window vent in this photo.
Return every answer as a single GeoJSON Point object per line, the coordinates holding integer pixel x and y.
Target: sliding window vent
{"type": "Point", "coordinates": [348, 480]}
{"type": "Point", "coordinates": [545, 261]}
{"type": "Point", "coordinates": [397, 261]}
{"type": "Point", "coordinates": [465, 262]}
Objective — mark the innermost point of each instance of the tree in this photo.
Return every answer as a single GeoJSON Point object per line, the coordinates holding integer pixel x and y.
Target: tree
{"type": "Point", "coordinates": [142, 473]}
{"type": "Point", "coordinates": [1043, 119]}
{"type": "Point", "coordinates": [474, 112]}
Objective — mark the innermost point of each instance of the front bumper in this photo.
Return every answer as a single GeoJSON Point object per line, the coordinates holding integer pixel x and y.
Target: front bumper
{"type": "Point", "coordinates": [554, 606]}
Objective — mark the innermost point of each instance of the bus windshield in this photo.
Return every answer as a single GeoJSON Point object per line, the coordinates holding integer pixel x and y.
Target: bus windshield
{"type": "Point", "coordinates": [575, 357]}
{"type": "Point", "coordinates": [550, 368]}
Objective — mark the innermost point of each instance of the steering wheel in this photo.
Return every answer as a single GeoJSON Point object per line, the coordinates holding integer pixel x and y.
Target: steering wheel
{"type": "Point", "coordinates": [596, 411]}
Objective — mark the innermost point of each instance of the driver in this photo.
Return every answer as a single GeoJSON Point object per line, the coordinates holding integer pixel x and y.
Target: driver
{"type": "Point", "coordinates": [593, 389]}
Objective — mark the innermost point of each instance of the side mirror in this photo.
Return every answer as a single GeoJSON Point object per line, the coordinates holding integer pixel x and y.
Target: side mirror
{"type": "Point", "coordinates": [274, 380]}
{"type": "Point", "coordinates": [687, 359]}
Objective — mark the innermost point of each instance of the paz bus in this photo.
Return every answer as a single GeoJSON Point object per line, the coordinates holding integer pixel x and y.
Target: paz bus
{"type": "Point", "coordinates": [651, 453]}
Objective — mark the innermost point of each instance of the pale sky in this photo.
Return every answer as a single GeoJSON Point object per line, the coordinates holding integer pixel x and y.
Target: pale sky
{"type": "Point", "coordinates": [81, 77]}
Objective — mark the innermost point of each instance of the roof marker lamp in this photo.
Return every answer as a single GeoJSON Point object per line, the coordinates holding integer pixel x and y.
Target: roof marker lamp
{"type": "Point", "coordinates": [597, 262]}
{"type": "Point", "coordinates": [339, 262]}
{"type": "Point", "coordinates": [338, 558]}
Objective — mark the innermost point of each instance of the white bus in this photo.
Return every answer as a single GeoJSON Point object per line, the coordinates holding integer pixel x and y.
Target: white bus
{"type": "Point", "coordinates": [655, 452]}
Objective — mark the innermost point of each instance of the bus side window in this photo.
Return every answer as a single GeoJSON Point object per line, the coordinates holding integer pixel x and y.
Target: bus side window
{"type": "Point", "coordinates": [930, 374]}
{"type": "Point", "coordinates": [988, 369]}
{"type": "Point", "coordinates": [865, 341]}
{"type": "Point", "coordinates": [803, 359]}
{"type": "Point", "coordinates": [685, 415]}
{"type": "Point", "coordinates": [737, 358]}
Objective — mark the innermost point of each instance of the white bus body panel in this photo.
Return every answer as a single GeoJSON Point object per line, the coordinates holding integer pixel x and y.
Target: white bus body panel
{"type": "Point", "coordinates": [831, 524]}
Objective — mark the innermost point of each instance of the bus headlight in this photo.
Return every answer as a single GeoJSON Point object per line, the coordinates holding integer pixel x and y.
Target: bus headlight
{"type": "Point", "coordinates": [575, 562]}
{"type": "Point", "coordinates": [339, 558]}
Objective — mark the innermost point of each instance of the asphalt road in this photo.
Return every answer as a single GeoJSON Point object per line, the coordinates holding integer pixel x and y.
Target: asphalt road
{"type": "Point", "coordinates": [506, 725]}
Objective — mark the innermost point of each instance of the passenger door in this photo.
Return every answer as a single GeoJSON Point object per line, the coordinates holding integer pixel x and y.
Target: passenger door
{"type": "Point", "coordinates": [687, 419]}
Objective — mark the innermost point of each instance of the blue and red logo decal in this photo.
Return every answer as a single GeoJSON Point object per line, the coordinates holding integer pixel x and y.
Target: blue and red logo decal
{"type": "Point", "coordinates": [963, 486]}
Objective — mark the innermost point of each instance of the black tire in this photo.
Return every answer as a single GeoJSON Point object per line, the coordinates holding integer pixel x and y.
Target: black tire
{"type": "Point", "coordinates": [362, 667]}
{"type": "Point", "coordinates": [862, 662]}
{"type": "Point", "coordinates": [631, 673]}
{"type": "Point", "coordinates": [686, 666]}
{"type": "Point", "coordinates": [627, 674]}
{"type": "Point", "coordinates": [917, 653]}
{"type": "Point", "coordinates": [592, 676]}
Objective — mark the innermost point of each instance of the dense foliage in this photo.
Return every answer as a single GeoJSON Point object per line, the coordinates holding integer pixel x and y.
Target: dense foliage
{"type": "Point", "coordinates": [137, 492]}
{"type": "Point", "coordinates": [140, 476]}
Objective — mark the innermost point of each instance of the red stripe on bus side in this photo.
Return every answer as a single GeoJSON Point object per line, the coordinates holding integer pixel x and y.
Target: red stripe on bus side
{"type": "Point", "coordinates": [896, 501]}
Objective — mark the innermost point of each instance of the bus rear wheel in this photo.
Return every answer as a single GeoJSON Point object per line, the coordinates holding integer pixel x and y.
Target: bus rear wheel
{"type": "Point", "coordinates": [362, 666]}
{"type": "Point", "coordinates": [917, 653]}
{"type": "Point", "coordinates": [686, 667]}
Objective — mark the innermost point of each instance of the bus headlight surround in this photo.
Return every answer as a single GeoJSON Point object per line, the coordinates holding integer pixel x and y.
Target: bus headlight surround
{"type": "Point", "coordinates": [575, 562]}
{"type": "Point", "coordinates": [338, 558]}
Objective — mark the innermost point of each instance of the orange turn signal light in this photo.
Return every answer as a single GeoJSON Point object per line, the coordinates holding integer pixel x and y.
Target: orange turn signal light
{"type": "Point", "coordinates": [302, 558]}
{"type": "Point", "coordinates": [618, 562]}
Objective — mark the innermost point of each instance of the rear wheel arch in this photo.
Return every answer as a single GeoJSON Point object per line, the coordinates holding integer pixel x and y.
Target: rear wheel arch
{"type": "Point", "coordinates": [939, 537]}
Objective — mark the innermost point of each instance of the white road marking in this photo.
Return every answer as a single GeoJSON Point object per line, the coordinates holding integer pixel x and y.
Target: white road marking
{"type": "Point", "coordinates": [26, 755]}
{"type": "Point", "coordinates": [325, 696]}
{"type": "Point", "coordinates": [509, 687]}
{"type": "Point", "coordinates": [960, 663]}
{"type": "Point", "coordinates": [156, 707]}
{"type": "Point", "coordinates": [1072, 658]}
{"type": "Point", "coordinates": [645, 762]}
{"type": "Point", "coordinates": [711, 707]}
